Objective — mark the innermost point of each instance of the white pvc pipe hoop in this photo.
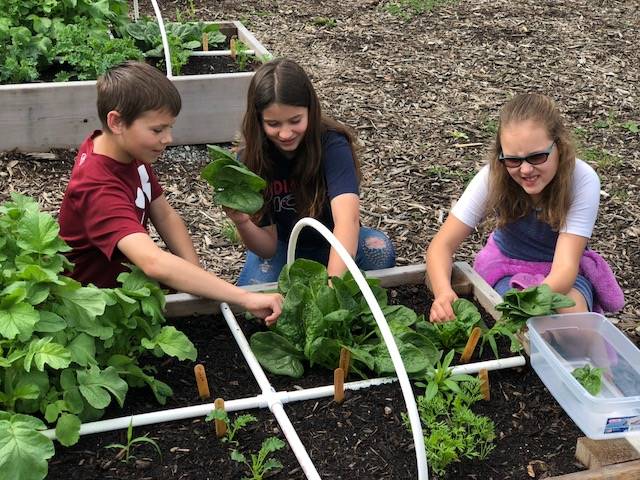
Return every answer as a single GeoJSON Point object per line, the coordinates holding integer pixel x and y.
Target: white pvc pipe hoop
{"type": "Point", "coordinates": [405, 384]}
{"type": "Point", "coordinates": [163, 34]}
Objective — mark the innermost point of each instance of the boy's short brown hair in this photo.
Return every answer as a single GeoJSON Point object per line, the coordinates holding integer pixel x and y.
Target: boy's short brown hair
{"type": "Point", "coordinates": [132, 88]}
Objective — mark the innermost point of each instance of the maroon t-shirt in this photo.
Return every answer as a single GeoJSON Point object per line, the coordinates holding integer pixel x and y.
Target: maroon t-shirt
{"type": "Point", "coordinates": [104, 202]}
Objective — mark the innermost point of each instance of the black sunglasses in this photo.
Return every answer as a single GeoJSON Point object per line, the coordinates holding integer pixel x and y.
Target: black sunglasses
{"type": "Point", "coordinates": [536, 158]}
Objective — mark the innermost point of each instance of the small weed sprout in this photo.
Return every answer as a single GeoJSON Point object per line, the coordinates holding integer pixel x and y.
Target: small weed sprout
{"type": "Point", "coordinates": [240, 53]}
{"type": "Point", "coordinates": [233, 427]}
{"type": "Point", "coordinates": [632, 126]}
{"type": "Point", "coordinates": [408, 9]}
{"type": "Point", "coordinates": [458, 135]}
{"type": "Point", "coordinates": [261, 463]}
{"type": "Point", "coordinates": [325, 22]}
{"type": "Point", "coordinates": [126, 450]}
{"type": "Point", "coordinates": [229, 232]}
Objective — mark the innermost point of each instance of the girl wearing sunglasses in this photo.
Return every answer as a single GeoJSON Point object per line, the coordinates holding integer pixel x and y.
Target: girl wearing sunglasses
{"type": "Point", "coordinates": [543, 203]}
{"type": "Point", "coordinates": [312, 170]}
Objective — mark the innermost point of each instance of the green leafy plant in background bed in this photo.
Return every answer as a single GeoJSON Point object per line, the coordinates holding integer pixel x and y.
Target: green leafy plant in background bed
{"type": "Point", "coordinates": [234, 185]}
{"type": "Point", "coordinates": [66, 351]}
{"type": "Point", "coordinates": [590, 378]}
{"type": "Point", "coordinates": [29, 31]}
{"type": "Point", "coordinates": [520, 305]}
{"type": "Point", "coordinates": [318, 320]}
{"type": "Point", "coordinates": [182, 37]}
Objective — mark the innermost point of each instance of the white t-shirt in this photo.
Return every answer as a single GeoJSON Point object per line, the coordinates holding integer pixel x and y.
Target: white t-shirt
{"type": "Point", "coordinates": [581, 218]}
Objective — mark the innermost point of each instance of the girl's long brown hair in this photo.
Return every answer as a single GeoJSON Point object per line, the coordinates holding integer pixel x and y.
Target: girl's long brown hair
{"type": "Point", "coordinates": [507, 200]}
{"type": "Point", "coordinates": [283, 81]}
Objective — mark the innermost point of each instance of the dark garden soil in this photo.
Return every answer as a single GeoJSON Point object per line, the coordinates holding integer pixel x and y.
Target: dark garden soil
{"type": "Point", "coordinates": [363, 438]}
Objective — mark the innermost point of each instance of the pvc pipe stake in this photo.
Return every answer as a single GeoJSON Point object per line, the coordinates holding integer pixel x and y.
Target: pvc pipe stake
{"type": "Point", "coordinates": [345, 361]}
{"type": "Point", "coordinates": [201, 380]}
{"type": "Point", "coordinates": [205, 42]}
{"type": "Point", "coordinates": [338, 385]}
{"type": "Point", "coordinates": [221, 427]}
{"type": "Point", "coordinates": [485, 389]}
{"type": "Point", "coordinates": [471, 345]}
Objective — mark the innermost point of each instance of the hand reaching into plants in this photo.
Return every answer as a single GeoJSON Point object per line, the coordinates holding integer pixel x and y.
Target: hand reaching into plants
{"type": "Point", "coordinates": [441, 308]}
{"type": "Point", "coordinates": [267, 306]}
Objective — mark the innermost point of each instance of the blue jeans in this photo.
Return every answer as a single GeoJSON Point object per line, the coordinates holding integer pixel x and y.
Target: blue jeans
{"type": "Point", "coordinates": [375, 251]}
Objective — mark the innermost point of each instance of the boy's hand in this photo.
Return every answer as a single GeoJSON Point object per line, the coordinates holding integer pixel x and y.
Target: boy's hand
{"type": "Point", "coordinates": [236, 217]}
{"type": "Point", "coordinates": [441, 309]}
{"type": "Point", "coordinates": [264, 305]}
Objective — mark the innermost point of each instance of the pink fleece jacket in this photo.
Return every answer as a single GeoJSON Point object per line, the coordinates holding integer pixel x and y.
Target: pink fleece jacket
{"type": "Point", "coordinates": [492, 265]}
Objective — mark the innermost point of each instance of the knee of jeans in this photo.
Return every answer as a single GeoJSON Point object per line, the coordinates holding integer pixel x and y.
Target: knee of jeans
{"type": "Point", "coordinates": [375, 243]}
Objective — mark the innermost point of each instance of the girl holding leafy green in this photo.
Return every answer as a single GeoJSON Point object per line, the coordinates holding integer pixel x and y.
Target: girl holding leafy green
{"type": "Point", "coordinates": [311, 169]}
{"type": "Point", "coordinates": [544, 203]}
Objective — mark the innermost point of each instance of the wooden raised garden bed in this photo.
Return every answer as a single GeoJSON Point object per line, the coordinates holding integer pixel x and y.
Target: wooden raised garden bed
{"type": "Point", "coordinates": [362, 438]}
{"type": "Point", "coordinates": [41, 116]}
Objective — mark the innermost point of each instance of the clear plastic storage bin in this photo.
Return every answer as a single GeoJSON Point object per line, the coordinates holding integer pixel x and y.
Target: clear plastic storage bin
{"type": "Point", "coordinates": [561, 343]}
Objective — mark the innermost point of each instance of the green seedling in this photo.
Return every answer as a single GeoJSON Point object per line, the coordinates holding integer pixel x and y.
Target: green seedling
{"type": "Point", "coordinates": [408, 9]}
{"type": "Point", "coordinates": [233, 427]}
{"type": "Point", "coordinates": [632, 126]}
{"type": "Point", "coordinates": [261, 463]}
{"type": "Point", "coordinates": [234, 185]}
{"type": "Point", "coordinates": [240, 53]}
{"type": "Point", "coordinates": [601, 158]}
{"type": "Point", "coordinates": [126, 449]}
{"type": "Point", "coordinates": [440, 380]}
{"type": "Point", "coordinates": [590, 378]}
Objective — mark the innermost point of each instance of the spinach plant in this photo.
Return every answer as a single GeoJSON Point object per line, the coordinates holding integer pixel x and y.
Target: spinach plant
{"type": "Point", "coordinates": [261, 463]}
{"type": "Point", "coordinates": [66, 351]}
{"type": "Point", "coordinates": [589, 377]}
{"type": "Point", "coordinates": [318, 320]}
{"type": "Point", "coordinates": [520, 305]}
{"type": "Point", "coordinates": [455, 333]}
{"type": "Point", "coordinates": [235, 186]}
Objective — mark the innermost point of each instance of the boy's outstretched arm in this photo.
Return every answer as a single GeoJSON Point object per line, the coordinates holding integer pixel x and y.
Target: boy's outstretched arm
{"type": "Point", "coordinates": [184, 276]}
{"type": "Point", "coordinates": [172, 230]}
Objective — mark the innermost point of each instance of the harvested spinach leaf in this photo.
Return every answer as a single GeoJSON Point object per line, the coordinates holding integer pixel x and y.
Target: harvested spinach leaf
{"type": "Point", "coordinates": [590, 378]}
{"type": "Point", "coordinates": [235, 186]}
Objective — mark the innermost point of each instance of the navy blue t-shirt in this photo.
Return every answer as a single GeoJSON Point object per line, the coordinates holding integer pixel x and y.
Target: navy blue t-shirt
{"type": "Point", "coordinates": [340, 177]}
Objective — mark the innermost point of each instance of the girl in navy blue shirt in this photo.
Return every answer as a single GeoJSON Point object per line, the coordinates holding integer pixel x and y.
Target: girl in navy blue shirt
{"type": "Point", "coordinates": [311, 169]}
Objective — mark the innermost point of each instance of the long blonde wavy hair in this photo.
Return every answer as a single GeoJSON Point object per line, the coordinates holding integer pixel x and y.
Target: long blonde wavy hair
{"type": "Point", "coordinates": [507, 200]}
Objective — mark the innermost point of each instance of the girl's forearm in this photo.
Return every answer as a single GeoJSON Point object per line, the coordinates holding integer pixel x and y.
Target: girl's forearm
{"type": "Point", "coordinates": [348, 237]}
{"type": "Point", "coordinates": [258, 240]}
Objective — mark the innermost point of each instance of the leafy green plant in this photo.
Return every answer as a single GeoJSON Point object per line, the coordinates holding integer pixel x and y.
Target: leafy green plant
{"type": "Point", "coordinates": [589, 377]}
{"type": "Point", "coordinates": [234, 185]}
{"type": "Point", "coordinates": [230, 232]}
{"type": "Point", "coordinates": [455, 333]}
{"type": "Point", "coordinates": [441, 381]}
{"type": "Point", "coordinates": [126, 449]}
{"type": "Point", "coordinates": [66, 351]}
{"type": "Point", "coordinates": [518, 307]}
{"type": "Point", "coordinates": [317, 321]}
{"type": "Point", "coordinates": [261, 463]}
{"type": "Point", "coordinates": [631, 126]}
{"type": "Point", "coordinates": [459, 135]}
{"type": "Point", "coordinates": [233, 426]}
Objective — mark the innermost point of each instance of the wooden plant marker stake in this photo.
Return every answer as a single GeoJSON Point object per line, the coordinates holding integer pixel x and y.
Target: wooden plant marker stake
{"type": "Point", "coordinates": [483, 375]}
{"type": "Point", "coordinates": [221, 427]}
{"type": "Point", "coordinates": [345, 360]}
{"type": "Point", "coordinates": [201, 380]}
{"type": "Point", "coordinates": [338, 385]}
{"type": "Point", "coordinates": [233, 47]}
{"type": "Point", "coordinates": [471, 345]}
{"type": "Point", "coordinates": [205, 42]}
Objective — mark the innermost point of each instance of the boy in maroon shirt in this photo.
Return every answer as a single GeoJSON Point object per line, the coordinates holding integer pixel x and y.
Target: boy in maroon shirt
{"type": "Point", "coordinates": [113, 192]}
